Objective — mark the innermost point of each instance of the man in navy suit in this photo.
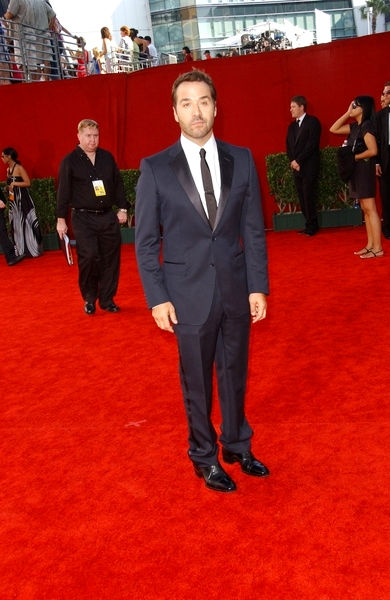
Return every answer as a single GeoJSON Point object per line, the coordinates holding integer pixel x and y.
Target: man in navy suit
{"type": "Point", "coordinates": [201, 254]}
{"type": "Point", "coordinates": [383, 166]}
{"type": "Point", "coordinates": [303, 151]}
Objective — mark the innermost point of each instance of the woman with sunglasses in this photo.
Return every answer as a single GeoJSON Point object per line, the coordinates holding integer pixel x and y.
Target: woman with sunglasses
{"type": "Point", "coordinates": [361, 137]}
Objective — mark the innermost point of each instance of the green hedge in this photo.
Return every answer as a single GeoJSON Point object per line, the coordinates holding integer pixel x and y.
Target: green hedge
{"type": "Point", "coordinates": [332, 191]}
{"type": "Point", "coordinates": [43, 192]}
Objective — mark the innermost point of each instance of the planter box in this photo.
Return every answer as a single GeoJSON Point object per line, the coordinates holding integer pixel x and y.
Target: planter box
{"type": "Point", "coordinates": [50, 241]}
{"type": "Point", "coordinates": [127, 235]}
{"type": "Point", "coordinates": [327, 218]}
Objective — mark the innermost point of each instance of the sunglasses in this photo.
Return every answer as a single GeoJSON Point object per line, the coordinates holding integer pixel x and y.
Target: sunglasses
{"type": "Point", "coordinates": [385, 92]}
{"type": "Point", "coordinates": [355, 105]}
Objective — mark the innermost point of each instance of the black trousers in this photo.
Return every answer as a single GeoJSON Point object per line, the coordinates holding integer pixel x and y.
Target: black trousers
{"type": "Point", "coordinates": [6, 244]}
{"type": "Point", "coordinates": [98, 244]}
{"type": "Point", "coordinates": [384, 181]}
{"type": "Point", "coordinates": [307, 193]}
{"type": "Point", "coordinates": [224, 341]}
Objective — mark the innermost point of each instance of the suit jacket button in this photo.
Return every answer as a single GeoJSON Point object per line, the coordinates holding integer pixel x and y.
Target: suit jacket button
{"type": "Point", "coordinates": [211, 264]}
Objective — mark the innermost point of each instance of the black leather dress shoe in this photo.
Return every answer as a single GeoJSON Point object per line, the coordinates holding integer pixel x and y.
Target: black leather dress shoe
{"type": "Point", "coordinates": [112, 307]}
{"type": "Point", "coordinates": [215, 478]}
{"type": "Point", "coordinates": [89, 308]}
{"type": "Point", "coordinates": [249, 464]}
{"type": "Point", "coordinates": [14, 260]}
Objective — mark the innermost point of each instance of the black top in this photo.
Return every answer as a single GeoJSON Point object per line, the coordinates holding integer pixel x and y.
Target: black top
{"type": "Point", "coordinates": [75, 182]}
{"type": "Point", "coordinates": [363, 180]}
{"type": "Point", "coordinates": [357, 133]}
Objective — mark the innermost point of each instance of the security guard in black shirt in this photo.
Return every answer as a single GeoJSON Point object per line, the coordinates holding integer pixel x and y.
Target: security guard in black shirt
{"type": "Point", "coordinates": [90, 183]}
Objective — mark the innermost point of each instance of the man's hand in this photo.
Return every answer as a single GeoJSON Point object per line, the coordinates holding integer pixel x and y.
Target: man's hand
{"type": "Point", "coordinates": [164, 314]}
{"type": "Point", "coordinates": [61, 227]}
{"type": "Point", "coordinates": [122, 216]}
{"type": "Point", "coordinates": [294, 165]}
{"type": "Point", "coordinates": [258, 306]}
{"type": "Point", "coordinates": [2, 205]}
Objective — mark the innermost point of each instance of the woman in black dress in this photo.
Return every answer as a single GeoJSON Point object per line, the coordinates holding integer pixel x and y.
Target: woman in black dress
{"type": "Point", "coordinates": [21, 210]}
{"type": "Point", "coordinates": [361, 137]}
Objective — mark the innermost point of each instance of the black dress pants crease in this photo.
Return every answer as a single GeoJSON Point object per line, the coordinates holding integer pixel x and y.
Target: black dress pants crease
{"type": "Point", "coordinates": [98, 243]}
{"type": "Point", "coordinates": [307, 187]}
{"type": "Point", "coordinates": [223, 340]}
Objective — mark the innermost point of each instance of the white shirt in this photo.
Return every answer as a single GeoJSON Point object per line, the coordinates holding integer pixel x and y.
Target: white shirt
{"type": "Point", "coordinates": [153, 54]}
{"type": "Point", "coordinates": [300, 119]}
{"type": "Point", "coordinates": [191, 150]}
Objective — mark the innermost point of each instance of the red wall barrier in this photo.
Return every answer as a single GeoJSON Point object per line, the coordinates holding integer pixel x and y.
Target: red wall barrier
{"type": "Point", "coordinates": [135, 114]}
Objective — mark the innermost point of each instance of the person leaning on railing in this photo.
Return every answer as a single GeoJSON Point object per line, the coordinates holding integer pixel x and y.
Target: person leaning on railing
{"type": "Point", "coordinates": [151, 50]}
{"type": "Point", "coordinates": [36, 15]}
{"type": "Point", "coordinates": [125, 49]}
{"type": "Point", "coordinates": [5, 60]}
{"type": "Point", "coordinates": [108, 52]}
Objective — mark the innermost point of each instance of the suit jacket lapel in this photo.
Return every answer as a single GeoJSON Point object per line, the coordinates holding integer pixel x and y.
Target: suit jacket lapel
{"type": "Point", "coordinates": [183, 173]}
{"type": "Point", "coordinates": [226, 165]}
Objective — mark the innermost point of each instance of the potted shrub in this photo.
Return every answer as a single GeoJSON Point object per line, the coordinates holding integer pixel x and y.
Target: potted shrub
{"type": "Point", "coordinates": [130, 178]}
{"type": "Point", "coordinates": [43, 193]}
{"type": "Point", "coordinates": [335, 208]}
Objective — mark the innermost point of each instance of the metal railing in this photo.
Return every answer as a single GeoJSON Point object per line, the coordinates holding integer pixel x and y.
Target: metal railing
{"type": "Point", "coordinates": [28, 54]}
{"type": "Point", "coordinates": [125, 61]}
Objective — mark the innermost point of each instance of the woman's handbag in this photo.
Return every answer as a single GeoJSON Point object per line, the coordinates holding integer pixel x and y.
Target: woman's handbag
{"type": "Point", "coordinates": [346, 162]}
{"type": "Point", "coordinates": [346, 157]}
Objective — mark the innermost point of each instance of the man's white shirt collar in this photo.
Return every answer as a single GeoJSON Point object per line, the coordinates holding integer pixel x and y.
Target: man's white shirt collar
{"type": "Point", "coordinates": [191, 151]}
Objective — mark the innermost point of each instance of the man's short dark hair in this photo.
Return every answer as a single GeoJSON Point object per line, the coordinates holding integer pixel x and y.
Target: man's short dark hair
{"type": "Point", "coordinates": [194, 75]}
{"type": "Point", "coordinates": [300, 100]}
{"type": "Point", "coordinates": [148, 38]}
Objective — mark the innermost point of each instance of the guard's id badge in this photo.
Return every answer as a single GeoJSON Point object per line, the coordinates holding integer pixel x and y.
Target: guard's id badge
{"type": "Point", "coordinates": [98, 186]}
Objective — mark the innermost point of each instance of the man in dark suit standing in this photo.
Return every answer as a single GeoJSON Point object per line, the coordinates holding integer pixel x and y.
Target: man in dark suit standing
{"type": "Point", "coordinates": [303, 151]}
{"type": "Point", "coordinates": [211, 278]}
{"type": "Point", "coordinates": [383, 166]}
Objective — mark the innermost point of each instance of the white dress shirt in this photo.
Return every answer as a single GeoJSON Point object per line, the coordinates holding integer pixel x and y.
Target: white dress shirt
{"type": "Point", "coordinates": [191, 150]}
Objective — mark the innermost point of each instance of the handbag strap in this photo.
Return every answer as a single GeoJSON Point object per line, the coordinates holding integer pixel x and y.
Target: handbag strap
{"type": "Point", "coordinates": [357, 137]}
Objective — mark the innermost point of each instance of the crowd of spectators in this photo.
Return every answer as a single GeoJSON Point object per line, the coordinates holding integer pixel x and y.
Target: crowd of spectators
{"type": "Point", "coordinates": [34, 45]}
{"type": "Point", "coordinates": [131, 52]}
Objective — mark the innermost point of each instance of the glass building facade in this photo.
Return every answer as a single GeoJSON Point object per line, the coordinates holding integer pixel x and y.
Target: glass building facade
{"type": "Point", "coordinates": [201, 23]}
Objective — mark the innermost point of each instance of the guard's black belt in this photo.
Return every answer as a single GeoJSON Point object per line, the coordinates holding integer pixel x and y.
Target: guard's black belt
{"type": "Point", "coordinates": [95, 212]}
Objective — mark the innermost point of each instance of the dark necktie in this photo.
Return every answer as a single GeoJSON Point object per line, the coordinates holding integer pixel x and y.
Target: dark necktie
{"type": "Point", "coordinates": [208, 188]}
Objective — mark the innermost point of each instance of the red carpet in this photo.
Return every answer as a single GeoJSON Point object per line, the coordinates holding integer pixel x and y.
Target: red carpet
{"type": "Point", "coordinates": [98, 498]}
